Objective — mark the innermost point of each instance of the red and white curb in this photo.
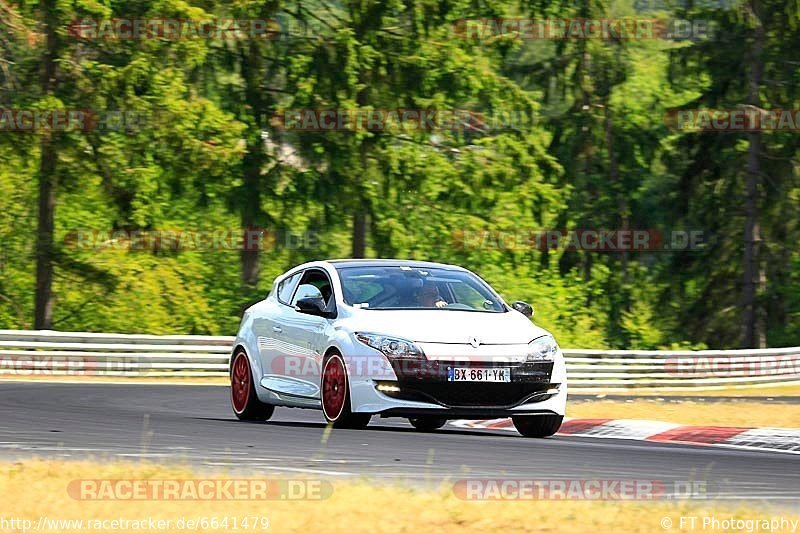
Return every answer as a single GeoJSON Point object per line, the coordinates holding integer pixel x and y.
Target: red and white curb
{"type": "Point", "coordinates": [772, 439]}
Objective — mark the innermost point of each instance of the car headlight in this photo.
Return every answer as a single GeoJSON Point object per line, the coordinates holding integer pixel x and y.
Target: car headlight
{"type": "Point", "coordinates": [391, 346]}
{"type": "Point", "coordinates": [542, 349]}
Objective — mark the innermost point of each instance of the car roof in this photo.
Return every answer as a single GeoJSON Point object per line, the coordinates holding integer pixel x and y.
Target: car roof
{"type": "Point", "coordinates": [348, 263]}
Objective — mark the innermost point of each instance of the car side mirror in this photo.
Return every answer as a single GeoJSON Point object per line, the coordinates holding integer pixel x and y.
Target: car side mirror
{"type": "Point", "coordinates": [523, 307]}
{"type": "Point", "coordinates": [312, 306]}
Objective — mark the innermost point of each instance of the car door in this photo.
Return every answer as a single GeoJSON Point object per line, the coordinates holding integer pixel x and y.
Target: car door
{"type": "Point", "coordinates": [307, 334]}
{"type": "Point", "coordinates": [267, 325]}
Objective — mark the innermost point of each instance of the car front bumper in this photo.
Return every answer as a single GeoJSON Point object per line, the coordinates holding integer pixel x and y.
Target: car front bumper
{"type": "Point", "coordinates": [535, 388]}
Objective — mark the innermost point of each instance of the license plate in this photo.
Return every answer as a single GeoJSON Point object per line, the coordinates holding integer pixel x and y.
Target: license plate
{"type": "Point", "coordinates": [483, 375]}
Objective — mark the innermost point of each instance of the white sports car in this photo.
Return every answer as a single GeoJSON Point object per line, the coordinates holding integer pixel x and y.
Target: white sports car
{"type": "Point", "coordinates": [424, 341]}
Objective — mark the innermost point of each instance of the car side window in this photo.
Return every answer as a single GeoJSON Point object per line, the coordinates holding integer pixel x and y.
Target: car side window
{"type": "Point", "coordinates": [286, 287]}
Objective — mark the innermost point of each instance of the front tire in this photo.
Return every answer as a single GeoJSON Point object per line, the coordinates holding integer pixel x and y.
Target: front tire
{"type": "Point", "coordinates": [427, 423]}
{"type": "Point", "coordinates": [335, 393]}
{"type": "Point", "coordinates": [537, 426]}
{"type": "Point", "coordinates": [245, 402]}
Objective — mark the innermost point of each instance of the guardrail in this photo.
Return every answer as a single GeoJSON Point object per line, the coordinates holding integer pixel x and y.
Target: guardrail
{"type": "Point", "coordinates": [682, 369]}
{"type": "Point", "coordinates": [56, 353]}
{"type": "Point", "coordinates": [59, 353]}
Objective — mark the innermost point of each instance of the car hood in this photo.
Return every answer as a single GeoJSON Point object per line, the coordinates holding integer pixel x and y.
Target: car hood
{"type": "Point", "coordinates": [447, 326]}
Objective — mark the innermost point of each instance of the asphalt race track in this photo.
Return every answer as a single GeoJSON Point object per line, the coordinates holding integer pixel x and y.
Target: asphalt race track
{"type": "Point", "coordinates": [195, 424]}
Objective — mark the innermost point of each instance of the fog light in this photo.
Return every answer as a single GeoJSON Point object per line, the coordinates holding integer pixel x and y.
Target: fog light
{"type": "Point", "coordinates": [552, 390]}
{"type": "Point", "coordinates": [385, 387]}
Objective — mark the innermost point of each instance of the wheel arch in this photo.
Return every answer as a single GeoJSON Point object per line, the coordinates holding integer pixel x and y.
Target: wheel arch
{"type": "Point", "coordinates": [242, 346]}
{"type": "Point", "coordinates": [333, 349]}
{"type": "Point", "coordinates": [236, 348]}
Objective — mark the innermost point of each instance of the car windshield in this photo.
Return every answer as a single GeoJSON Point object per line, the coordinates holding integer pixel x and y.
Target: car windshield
{"type": "Point", "coordinates": [404, 287]}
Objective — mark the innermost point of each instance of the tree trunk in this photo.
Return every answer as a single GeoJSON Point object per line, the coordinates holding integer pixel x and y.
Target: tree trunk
{"type": "Point", "coordinates": [250, 255]}
{"type": "Point", "coordinates": [753, 334]}
{"type": "Point", "coordinates": [43, 318]}
{"type": "Point", "coordinates": [619, 192]}
{"type": "Point", "coordinates": [361, 201]}
{"type": "Point", "coordinates": [253, 163]}
{"type": "Point", "coordinates": [359, 235]}
{"type": "Point", "coordinates": [43, 314]}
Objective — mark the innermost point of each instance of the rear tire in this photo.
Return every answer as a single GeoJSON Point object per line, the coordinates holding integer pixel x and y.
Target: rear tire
{"type": "Point", "coordinates": [427, 423]}
{"type": "Point", "coordinates": [537, 426]}
{"type": "Point", "coordinates": [245, 402]}
{"type": "Point", "coordinates": [335, 395]}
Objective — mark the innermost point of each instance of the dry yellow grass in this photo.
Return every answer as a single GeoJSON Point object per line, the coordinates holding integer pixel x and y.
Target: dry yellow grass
{"type": "Point", "coordinates": [745, 414]}
{"type": "Point", "coordinates": [34, 489]}
{"type": "Point", "coordinates": [763, 392]}
{"type": "Point", "coordinates": [791, 389]}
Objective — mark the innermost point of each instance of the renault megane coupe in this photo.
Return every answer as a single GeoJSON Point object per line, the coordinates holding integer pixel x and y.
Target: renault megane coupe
{"type": "Point", "coordinates": [419, 340]}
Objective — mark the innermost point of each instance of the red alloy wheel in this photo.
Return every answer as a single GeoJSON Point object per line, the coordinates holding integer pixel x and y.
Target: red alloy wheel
{"type": "Point", "coordinates": [334, 388]}
{"type": "Point", "coordinates": [240, 383]}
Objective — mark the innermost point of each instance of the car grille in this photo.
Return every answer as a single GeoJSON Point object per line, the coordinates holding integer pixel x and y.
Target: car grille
{"type": "Point", "coordinates": [503, 395]}
{"type": "Point", "coordinates": [426, 381]}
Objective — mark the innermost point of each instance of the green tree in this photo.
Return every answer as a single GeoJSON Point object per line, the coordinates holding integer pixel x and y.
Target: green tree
{"type": "Point", "coordinates": [740, 186]}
